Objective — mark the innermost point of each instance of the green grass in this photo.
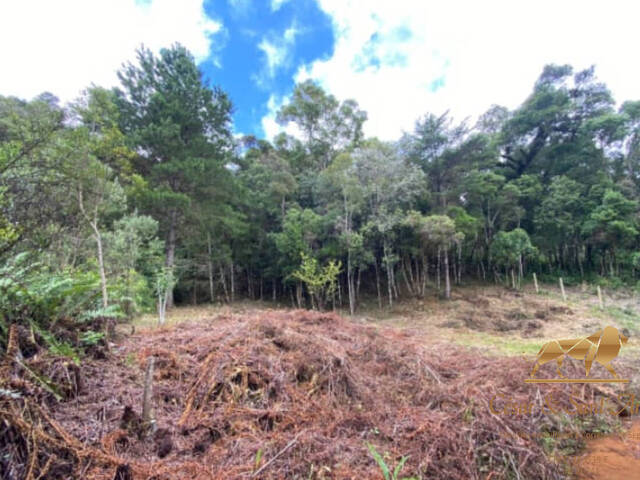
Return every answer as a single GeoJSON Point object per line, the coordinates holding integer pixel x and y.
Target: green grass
{"type": "Point", "coordinates": [499, 345]}
{"type": "Point", "coordinates": [623, 317]}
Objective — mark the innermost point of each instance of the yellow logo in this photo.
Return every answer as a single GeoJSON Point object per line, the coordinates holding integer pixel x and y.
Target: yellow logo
{"type": "Point", "coordinates": [602, 347]}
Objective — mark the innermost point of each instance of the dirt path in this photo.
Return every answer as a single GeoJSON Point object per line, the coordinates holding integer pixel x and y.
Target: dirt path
{"type": "Point", "coordinates": [613, 457]}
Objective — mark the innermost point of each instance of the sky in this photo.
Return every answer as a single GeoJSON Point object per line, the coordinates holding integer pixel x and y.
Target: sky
{"type": "Point", "coordinates": [398, 59]}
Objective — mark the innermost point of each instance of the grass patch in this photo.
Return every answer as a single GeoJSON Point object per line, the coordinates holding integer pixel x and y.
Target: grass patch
{"type": "Point", "coordinates": [498, 345]}
{"type": "Point", "coordinates": [623, 317]}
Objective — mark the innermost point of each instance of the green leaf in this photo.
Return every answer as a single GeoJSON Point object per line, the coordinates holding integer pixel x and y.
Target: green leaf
{"type": "Point", "coordinates": [380, 461]}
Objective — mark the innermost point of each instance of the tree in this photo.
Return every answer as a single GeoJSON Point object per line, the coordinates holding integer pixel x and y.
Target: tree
{"type": "Point", "coordinates": [98, 195]}
{"type": "Point", "coordinates": [29, 169]}
{"type": "Point", "coordinates": [328, 126]}
{"type": "Point", "coordinates": [97, 143]}
{"type": "Point", "coordinates": [434, 146]}
{"type": "Point", "coordinates": [341, 175]}
{"type": "Point", "coordinates": [300, 234]}
{"type": "Point", "coordinates": [510, 249]}
{"type": "Point", "coordinates": [320, 281]}
{"type": "Point", "coordinates": [440, 231]}
{"type": "Point", "coordinates": [180, 127]}
{"type": "Point", "coordinates": [389, 185]}
{"type": "Point", "coordinates": [612, 226]}
{"type": "Point", "coordinates": [559, 215]}
{"type": "Point", "coordinates": [133, 255]}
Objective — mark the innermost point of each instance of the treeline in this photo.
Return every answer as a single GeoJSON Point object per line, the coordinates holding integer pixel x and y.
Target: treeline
{"type": "Point", "coordinates": [129, 197]}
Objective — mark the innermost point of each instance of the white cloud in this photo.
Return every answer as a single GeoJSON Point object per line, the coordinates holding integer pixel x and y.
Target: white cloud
{"type": "Point", "coordinates": [275, 55]}
{"type": "Point", "coordinates": [270, 126]}
{"type": "Point", "coordinates": [240, 7]}
{"type": "Point", "coordinates": [391, 56]}
{"type": "Point", "coordinates": [63, 47]}
{"type": "Point", "coordinates": [277, 51]}
{"type": "Point", "coordinates": [276, 4]}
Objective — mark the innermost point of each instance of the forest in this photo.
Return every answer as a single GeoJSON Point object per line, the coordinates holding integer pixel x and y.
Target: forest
{"type": "Point", "coordinates": [135, 198]}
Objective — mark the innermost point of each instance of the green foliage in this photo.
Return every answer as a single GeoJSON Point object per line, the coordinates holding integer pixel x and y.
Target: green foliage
{"type": "Point", "coordinates": [165, 280]}
{"type": "Point", "coordinates": [440, 230]}
{"type": "Point", "coordinates": [90, 338]}
{"type": "Point", "coordinates": [55, 346]}
{"type": "Point", "coordinates": [320, 281]}
{"type": "Point", "coordinates": [327, 124]}
{"type": "Point", "coordinates": [32, 291]}
{"type": "Point", "coordinates": [508, 248]}
{"type": "Point", "coordinates": [386, 472]}
{"type": "Point", "coordinates": [88, 191]}
{"type": "Point", "coordinates": [613, 223]}
{"type": "Point", "coordinates": [301, 231]}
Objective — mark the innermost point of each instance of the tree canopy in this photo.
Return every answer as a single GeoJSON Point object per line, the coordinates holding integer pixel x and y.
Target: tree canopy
{"type": "Point", "coordinates": [145, 185]}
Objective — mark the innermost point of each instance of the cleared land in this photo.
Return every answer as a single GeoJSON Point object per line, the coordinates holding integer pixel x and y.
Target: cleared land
{"type": "Point", "coordinates": [256, 392]}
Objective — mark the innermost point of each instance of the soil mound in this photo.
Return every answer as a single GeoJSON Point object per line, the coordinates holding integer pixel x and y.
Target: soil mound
{"type": "Point", "coordinates": [276, 395]}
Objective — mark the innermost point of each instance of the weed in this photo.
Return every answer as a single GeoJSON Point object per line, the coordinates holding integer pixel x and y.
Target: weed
{"type": "Point", "coordinates": [386, 473]}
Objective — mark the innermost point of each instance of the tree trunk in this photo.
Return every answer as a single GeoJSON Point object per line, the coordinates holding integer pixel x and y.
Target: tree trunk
{"type": "Point", "coordinates": [210, 268]}
{"type": "Point", "coordinates": [103, 276]}
{"type": "Point", "coordinates": [233, 283]}
{"type": "Point", "coordinates": [350, 286]}
{"type": "Point", "coordinates": [223, 279]}
{"type": "Point", "coordinates": [171, 249]}
{"type": "Point", "coordinates": [93, 222]}
{"type": "Point", "coordinates": [378, 283]}
{"type": "Point", "coordinates": [438, 271]}
{"type": "Point", "coordinates": [459, 264]}
{"type": "Point", "coordinates": [389, 275]}
{"type": "Point", "coordinates": [299, 294]}
{"type": "Point", "coordinates": [425, 274]}
{"type": "Point", "coordinates": [455, 270]}
{"type": "Point", "coordinates": [447, 283]}
{"type": "Point", "coordinates": [406, 280]}
{"type": "Point", "coordinates": [520, 269]}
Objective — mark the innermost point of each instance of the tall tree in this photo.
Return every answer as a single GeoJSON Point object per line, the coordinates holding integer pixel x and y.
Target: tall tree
{"type": "Point", "coordinates": [181, 129]}
{"type": "Point", "coordinates": [327, 125]}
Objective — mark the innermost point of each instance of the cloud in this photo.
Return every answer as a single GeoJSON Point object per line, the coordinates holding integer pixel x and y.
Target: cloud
{"type": "Point", "coordinates": [63, 47]}
{"type": "Point", "coordinates": [277, 50]}
{"type": "Point", "coordinates": [276, 4]}
{"type": "Point", "coordinates": [402, 59]}
{"type": "Point", "coordinates": [240, 8]}
{"type": "Point", "coordinates": [270, 126]}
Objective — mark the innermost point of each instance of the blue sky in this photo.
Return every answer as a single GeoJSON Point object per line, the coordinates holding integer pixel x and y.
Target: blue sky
{"type": "Point", "coordinates": [260, 50]}
{"type": "Point", "coordinates": [399, 59]}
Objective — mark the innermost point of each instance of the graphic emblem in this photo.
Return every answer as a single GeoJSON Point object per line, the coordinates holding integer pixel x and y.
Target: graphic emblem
{"type": "Point", "coordinates": [602, 347]}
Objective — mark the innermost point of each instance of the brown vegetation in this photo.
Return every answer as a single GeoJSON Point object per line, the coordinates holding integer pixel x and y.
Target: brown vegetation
{"type": "Point", "coordinates": [306, 390]}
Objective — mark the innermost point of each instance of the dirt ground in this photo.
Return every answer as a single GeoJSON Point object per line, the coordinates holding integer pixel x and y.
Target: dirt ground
{"type": "Point", "coordinates": [613, 457]}
{"type": "Point", "coordinates": [251, 391]}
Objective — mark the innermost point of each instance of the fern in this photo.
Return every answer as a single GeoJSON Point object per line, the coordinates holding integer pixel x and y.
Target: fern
{"type": "Point", "coordinates": [57, 347]}
{"type": "Point", "coordinates": [91, 338]}
{"type": "Point", "coordinates": [112, 311]}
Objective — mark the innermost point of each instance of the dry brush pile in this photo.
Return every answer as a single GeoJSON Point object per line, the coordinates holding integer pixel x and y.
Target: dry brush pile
{"type": "Point", "coordinates": [277, 395]}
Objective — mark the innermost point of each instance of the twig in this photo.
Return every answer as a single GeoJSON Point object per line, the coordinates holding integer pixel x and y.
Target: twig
{"type": "Point", "coordinates": [287, 447]}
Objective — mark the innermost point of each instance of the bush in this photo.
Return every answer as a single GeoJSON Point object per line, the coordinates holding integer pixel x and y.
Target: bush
{"type": "Point", "coordinates": [52, 303]}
